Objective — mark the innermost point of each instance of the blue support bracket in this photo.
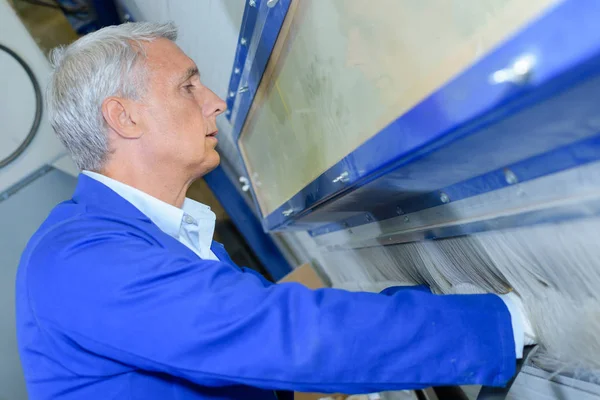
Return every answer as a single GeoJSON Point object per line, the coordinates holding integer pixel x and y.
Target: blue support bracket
{"type": "Point", "coordinates": [246, 222]}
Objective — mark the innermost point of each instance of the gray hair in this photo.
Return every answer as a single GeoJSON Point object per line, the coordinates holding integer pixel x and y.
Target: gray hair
{"type": "Point", "coordinates": [99, 65]}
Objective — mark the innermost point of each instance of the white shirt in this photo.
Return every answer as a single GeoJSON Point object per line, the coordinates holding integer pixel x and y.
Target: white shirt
{"type": "Point", "coordinates": [193, 225]}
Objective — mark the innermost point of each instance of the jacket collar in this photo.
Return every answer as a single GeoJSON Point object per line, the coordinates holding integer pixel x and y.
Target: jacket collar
{"type": "Point", "coordinates": [94, 194]}
{"type": "Point", "coordinates": [166, 216]}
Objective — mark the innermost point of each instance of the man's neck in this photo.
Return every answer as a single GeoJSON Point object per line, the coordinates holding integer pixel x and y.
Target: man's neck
{"type": "Point", "coordinates": [161, 185]}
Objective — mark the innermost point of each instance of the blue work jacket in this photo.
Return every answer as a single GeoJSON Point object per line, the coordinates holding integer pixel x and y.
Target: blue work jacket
{"type": "Point", "coordinates": [111, 307]}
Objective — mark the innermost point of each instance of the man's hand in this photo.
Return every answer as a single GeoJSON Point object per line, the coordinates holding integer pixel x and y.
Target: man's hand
{"type": "Point", "coordinates": [524, 334]}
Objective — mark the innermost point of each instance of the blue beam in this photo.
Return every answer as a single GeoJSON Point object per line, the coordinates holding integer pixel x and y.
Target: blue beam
{"type": "Point", "coordinates": [246, 222]}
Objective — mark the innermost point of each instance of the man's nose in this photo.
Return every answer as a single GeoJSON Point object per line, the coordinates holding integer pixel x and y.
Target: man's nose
{"type": "Point", "coordinates": [214, 105]}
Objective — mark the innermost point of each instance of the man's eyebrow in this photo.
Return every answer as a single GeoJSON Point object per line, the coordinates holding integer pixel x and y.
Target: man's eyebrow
{"type": "Point", "coordinates": [191, 72]}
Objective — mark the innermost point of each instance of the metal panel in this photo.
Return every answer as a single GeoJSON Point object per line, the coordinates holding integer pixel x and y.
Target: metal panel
{"type": "Point", "coordinates": [45, 148]}
{"type": "Point", "coordinates": [533, 383]}
{"type": "Point", "coordinates": [404, 191]}
{"type": "Point", "coordinates": [569, 194]}
{"type": "Point", "coordinates": [340, 72]}
{"type": "Point", "coordinates": [265, 18]}
{"type": "Point", "coordinates": [465, 106]}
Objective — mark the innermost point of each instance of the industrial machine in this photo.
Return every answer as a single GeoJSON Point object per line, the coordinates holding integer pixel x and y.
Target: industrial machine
{"type": "Point", "coordinates": [453, 144]}
{"type": "Point", "coordinates": [401, 142]}
{"type": "Point", "coordinates": [27, 144]}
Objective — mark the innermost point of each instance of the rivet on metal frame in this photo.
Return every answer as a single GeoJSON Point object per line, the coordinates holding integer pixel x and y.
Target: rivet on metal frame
{"type": "Point", "coordinates": [444, 198]}
{"type": "Point", "coordinates": [237, 71]}
{"type": "Point", "coordinates": [252, 3]}
{"type": "Point", "coordinates": [343, 177]}
{"type": "Point", "coordinates": [243, 41]}
{"type": "Point", "coordinates": [231, 94]}
{"type": "Point", "coordinates": [272, 3]}
{"type": "Point", "coordinates": [245, 183]}
{"type": "Point", "coordinates": [510, 177]}
{"type": "Point", "coordinates": [519, 72]}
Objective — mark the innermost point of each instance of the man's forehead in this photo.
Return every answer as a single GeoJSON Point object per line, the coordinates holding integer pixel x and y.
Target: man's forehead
{"type": "Point", "coordinates": [164, 56]}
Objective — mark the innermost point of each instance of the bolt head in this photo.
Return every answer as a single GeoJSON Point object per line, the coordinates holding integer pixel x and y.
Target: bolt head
{"type": "Point", "coordinates": [524, 65]}
{"type": "Point", "coordinates": [510, 177]}
{"type": "Point", "coordinates": [444, 198]}
{"type": "Point", "coordinates": [518, 72]}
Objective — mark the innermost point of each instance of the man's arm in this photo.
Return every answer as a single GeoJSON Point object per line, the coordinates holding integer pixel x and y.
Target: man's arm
{"type": "Point", "coordinates": [119, 295]}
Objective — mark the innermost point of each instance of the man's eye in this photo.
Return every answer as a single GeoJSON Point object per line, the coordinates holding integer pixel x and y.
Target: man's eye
{"type": "Point", "coordinates": [189, 88]}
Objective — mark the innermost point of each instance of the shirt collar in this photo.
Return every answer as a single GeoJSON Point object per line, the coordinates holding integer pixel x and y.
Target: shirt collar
{"type": "Point", "coordinates": [166, 216]}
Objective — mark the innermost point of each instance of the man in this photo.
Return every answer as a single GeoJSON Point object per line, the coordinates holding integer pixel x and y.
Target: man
{"type": "Point", "coordinates": [121, 294]}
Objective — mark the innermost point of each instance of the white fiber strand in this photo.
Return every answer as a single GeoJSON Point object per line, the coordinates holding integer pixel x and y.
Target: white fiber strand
{"type": "Point", "coordinates": [555, 268]}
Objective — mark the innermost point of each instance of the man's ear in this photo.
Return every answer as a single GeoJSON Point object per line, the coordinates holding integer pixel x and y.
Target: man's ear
{"type": "Point", "coordinates": [119, 114]}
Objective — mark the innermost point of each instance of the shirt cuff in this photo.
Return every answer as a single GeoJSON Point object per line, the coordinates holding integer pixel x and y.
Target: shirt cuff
{"type": "Point", "coordinates": [517, 323]}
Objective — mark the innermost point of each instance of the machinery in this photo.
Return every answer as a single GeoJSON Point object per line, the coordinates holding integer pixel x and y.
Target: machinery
{"type": "Point", "coordinates": [454, 144]}
{"type": "Point", "coordinates": [27, 143]}
{"type": "Point", "coordinates": [451, 144]}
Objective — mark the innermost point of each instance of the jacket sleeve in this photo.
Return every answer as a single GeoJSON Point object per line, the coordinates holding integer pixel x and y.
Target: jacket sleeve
{"type": "Point", "coordinates": [123, 297]}
{"type": "Point", "coordinates": [262, 279]}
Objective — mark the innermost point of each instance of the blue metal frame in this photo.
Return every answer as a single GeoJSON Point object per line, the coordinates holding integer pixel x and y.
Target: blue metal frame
{"type": "Point", "coordinates": [246, 29]}
{"type": "Point", "coordinates": [249, 226]}
{"type": "Point", "coordinates": [261, 34]}
{"type": "Point", "coordinates": [102, 13]}
{"type": "Point", "coordinates": [226, 191]}
{"type": "Point", "coordinates": [579, 153]}
{"type": "Point", "coordinates": [468, 115]}
{"type": "Point", "coordinates": [106, 12]}
{"type": "Point", "coordinates": [260, 28]}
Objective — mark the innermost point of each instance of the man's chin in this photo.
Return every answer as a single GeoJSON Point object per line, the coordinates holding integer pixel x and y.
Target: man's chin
{"type": "Point", "coordinates": [213, 167]}
{"type": "Point", "coordinates": [211, 162]}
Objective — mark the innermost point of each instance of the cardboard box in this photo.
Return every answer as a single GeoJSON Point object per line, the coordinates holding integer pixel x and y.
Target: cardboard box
{"type": "Point", "coordinates": [306, 275]}
{"type": "Point", "coordinates": [316, 396]}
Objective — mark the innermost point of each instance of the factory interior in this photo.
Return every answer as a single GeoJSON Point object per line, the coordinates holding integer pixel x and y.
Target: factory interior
{"type": "Point", "coordinates": [365, 145]}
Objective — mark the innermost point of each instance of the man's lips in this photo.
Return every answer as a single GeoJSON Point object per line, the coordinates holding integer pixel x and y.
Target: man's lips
{"type": "Point", "coordinates": [212, 134]}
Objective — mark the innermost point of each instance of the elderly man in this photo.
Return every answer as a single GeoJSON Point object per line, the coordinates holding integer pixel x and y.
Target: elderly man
{"type": "Point", "coordinates": [121, 294]}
